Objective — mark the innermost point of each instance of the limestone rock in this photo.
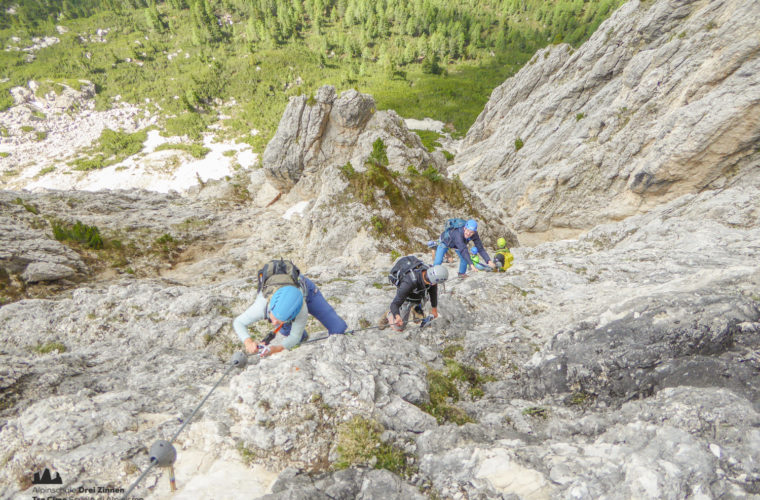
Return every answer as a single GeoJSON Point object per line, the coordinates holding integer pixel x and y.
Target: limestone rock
{"type": "Point", "coordinates": [661, 101]}
{"type": "Point", "coordinates": [326, 130]}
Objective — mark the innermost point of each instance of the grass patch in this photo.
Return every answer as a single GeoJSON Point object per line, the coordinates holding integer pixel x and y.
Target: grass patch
{"type": "Point", "coordinates": [188, 124]}
{"type": "Point", "coordinates": [45, 171]}
{"type": "Point", "coordinates": [28, 206]}
{"type": "Point", "coordinates": [112, 147]}
{"type": "Point", "coordinates": [580, 398]}
{"type": "Point", "coordinates": [443, 391]}
{"type": "Point", "coordinates": [247, 455]}
{"type": "Point", "coordinates": [536, 411]}
{"type": "Point", "coordinates": [443, 388]}
{"type": "Point", "coordinates": [429, 139]}
{"type": "Point", "coordinates": [451, 350]}
{"type": "Point", "coordinates": [412, 196]}
{"type": "Point", "coordinates": [49, 347]}
{"type": "Point", "coordinates": [358, 443]}
{"type": "Point", "coordinates": [195, 150]}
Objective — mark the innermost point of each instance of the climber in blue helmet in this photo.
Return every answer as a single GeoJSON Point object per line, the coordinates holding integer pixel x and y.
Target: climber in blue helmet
{"type": "Point", "coordinates": [475, 258]}
{"type": "Point", "coordinates": [457, 235]}
{"type": "Point", "coordinates": [292, 298]}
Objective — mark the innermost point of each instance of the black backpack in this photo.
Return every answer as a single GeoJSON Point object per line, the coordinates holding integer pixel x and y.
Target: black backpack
{"type": "Point", "coordinates": [276, 274]}
{"type": "Point", "coordinates": [404, 265]}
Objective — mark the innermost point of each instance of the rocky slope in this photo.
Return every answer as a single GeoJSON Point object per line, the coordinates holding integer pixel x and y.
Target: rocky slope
{"type": "Point", "coordinates": [619, 364]}
{"type": "Point", "coordinates": [663, 100]}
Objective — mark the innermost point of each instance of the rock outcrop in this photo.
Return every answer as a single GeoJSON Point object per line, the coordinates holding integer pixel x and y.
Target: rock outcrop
{"type": "Point", "coordinates": [330, 131]}
{"type": "Point", "coordinates": [26, 250]}
{"type": "Point", "coordinates": [663, 100]}
{"type": "Point", "coordinates": [396, 209]}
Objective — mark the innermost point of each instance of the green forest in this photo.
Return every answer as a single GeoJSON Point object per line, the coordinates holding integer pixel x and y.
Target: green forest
{"type": "Point", "coordinates": [183, 58]}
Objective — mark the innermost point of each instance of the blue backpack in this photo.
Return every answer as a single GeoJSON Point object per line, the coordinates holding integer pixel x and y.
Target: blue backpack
{"type": "Point", "coordinates": [453, 223]}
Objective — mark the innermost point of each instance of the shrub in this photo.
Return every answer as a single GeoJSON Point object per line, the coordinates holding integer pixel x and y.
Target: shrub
{"type": "Point", "coordinates": [518, 144]}
{"type": "Point", "coordinates": [432, 174]}
{"type": "Point", "coordinates": [81, 233]}
{"type": "Point", "coordinates": [377, 223]}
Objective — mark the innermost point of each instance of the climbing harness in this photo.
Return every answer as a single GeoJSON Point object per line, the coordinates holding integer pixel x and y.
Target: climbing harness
{"type": "Point", "coordinates": [163, 453]}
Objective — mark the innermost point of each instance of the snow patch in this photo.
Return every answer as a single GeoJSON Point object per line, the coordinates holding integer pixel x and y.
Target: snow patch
{"type": "Point", "coordinates": [296, 209]}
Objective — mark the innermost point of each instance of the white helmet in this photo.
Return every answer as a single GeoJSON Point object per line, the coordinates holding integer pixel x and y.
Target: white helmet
{"type": "Point", "coordinates": [437, 274]}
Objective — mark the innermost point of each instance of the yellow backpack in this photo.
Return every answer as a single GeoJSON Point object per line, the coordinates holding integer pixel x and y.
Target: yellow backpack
{"type": "Point", "coordinates": [503, 259]}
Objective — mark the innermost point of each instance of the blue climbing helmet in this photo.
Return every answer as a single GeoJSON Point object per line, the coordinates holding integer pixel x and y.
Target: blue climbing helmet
{"type": "Point", "coordinates": [474, 251]}
{"type": "Point", "coordinates": [286, 303]}
{"type": "Point", "coordinates": [472, 225]}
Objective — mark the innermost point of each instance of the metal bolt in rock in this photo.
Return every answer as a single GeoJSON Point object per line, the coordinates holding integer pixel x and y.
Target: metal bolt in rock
{"type": "Point", "coordinates": [163, 453]}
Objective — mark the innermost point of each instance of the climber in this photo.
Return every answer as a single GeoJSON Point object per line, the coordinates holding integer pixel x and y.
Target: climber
{"type": "Point", "coordinates": [476, 260]}
{"type": "Point", "coordinates": [414, 282]}
{"type": "Point", "coordinates": [293, 298]}
{"type": "Point", "coordinates": [433, 245]}
{"type": "Point", "coordinates": [457, 234]}
{"type": "Point", "coordinates": [502, 257]}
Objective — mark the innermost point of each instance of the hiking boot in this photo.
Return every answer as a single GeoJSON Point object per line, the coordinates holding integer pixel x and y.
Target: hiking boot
{"type": "Point", "coordinates": [383, 323]}
{"type": "Point", "coordinates": [417, 313]}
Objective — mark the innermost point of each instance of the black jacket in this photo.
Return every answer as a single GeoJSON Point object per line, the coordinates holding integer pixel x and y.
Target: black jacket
{"type": "Point", "coordinates": [457, 240]}
{"type": "Point", "coordinates": [413, 288]}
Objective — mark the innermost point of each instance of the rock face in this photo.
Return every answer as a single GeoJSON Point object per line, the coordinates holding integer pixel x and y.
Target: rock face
{"type": "Point", "coordinates": [619, 364]}
{"type": "Point", "coordinates": [327, 130]}
{"type": "Point", "coordinates": [663, 100]}
{"type": "Point", "coordinates": [31, 252]}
